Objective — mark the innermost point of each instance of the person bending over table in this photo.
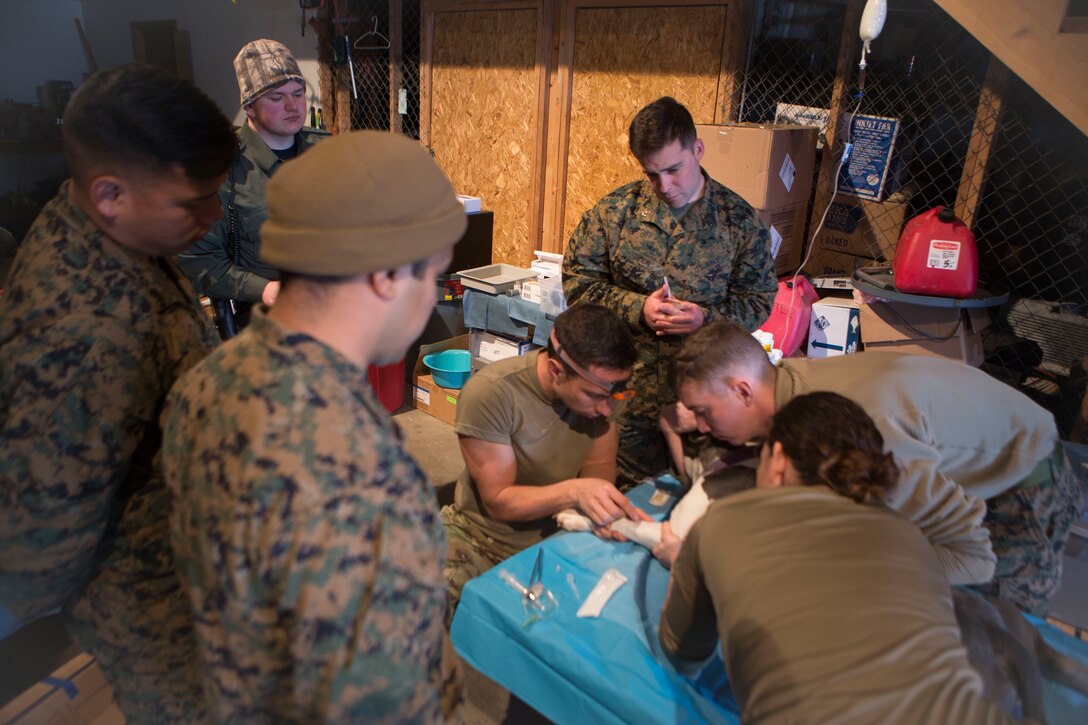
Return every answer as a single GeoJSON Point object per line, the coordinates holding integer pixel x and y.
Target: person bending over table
{"type": "Point", "coordinates": [980, 461]}
{"type": "Point", "coordinates": [538, 436]}
{"type": "Point", "coordinates": [830, 607]}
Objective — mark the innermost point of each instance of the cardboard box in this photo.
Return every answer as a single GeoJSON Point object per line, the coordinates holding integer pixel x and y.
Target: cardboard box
{"type": "Point", "coordinates": [434, 400]}
{"type": "Point", "coordinates": [919, 330]}
{"type": "Point", "coordinates": [787, 229]}
{"type": "Point", "coordinates": [492, 347]}
{"type": "Point", "coordinates": [429, 397]}
{"type": "Point", "coordinates": [862, 228]}
{"type": "Point", "coordinates": [825, 263]}
{"type": "Point", "coordinates": [768, 165]}
{"type": "Point", "coordinates": [471, 204]}
{"type": "Point", "coordinates": [76, 692]}
{"type": "Point", "coordinates": [833, 328]}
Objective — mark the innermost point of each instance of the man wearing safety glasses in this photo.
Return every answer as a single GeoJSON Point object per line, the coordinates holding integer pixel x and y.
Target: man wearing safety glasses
{"type": "Point", "coordinates": [537, 433]}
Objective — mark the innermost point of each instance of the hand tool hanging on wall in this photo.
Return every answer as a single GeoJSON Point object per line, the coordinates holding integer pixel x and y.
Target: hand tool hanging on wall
{"type": "Point", "coordinates": [305, 5]}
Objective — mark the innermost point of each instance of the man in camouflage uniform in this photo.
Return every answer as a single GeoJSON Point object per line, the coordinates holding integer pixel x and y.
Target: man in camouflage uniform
{"type": "Point", "coordinates": [678, 224]}
{"type": "Point", "coordinates": [306, 534]}
{"type": "Point", "coordinates": [983, 472]}
{"type": "Point", "coordinates": [537, 436]}
{"type": "Point", "coordinates": [95, 326]}
{"type": "Point", "coordinates": [273, 95]}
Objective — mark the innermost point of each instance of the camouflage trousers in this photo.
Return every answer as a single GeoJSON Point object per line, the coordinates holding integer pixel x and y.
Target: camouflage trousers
{"type": "Point", "coordinates": [642, 453]}
{"type": "Point", "coordinates": [470, 555]}
{"type": "Point", "coordinates": [145, 643]}
{"type": "Point", "coordinates": [1029, 526]}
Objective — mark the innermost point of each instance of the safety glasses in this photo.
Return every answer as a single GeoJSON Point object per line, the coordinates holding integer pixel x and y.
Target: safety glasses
{"type": "Point", "coordinates": [617, 390]}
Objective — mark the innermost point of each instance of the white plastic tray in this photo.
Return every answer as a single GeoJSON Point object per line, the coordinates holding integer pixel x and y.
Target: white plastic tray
{"type": "Point", "coordinates": [495, 279]}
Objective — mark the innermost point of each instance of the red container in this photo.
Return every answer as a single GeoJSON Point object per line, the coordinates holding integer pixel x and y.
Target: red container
{"type": "Point", "coordinates": [790, 313]}
{"type": "Point", "coordinates": [936, 256]}
{"type": "Point", "coordinates": [388, 384]}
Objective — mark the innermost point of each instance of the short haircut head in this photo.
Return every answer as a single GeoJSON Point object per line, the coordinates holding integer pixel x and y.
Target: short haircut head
{"type": "Point", "coordinates": [717, 351]}
{"type": "Point", "coordinates": [140, 118]}
{"type": "Point", "coordinates": [831, 441]}
{"type": "Point", "coordinates": [594, 335]}
{"type": "Point", "coordinates": [658, 125]}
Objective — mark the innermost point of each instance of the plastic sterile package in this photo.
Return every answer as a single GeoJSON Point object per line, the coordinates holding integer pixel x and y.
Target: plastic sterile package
{"type": "Point", "coordinates": [606, 586]}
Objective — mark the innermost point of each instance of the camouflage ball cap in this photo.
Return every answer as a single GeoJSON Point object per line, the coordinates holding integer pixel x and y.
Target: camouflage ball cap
{"type": "Point", "coordinates": [359, 202]}
{"type": "Point", "coordinates": [261, 66]}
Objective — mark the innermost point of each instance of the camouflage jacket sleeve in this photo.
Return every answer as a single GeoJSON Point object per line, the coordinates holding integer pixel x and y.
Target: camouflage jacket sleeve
{"type": "Point", "coordinates": [74, 418]}
{"type": "Point", "coordinates": [752, 280]}
{"type": "Point", "coordinates": [587, 273]}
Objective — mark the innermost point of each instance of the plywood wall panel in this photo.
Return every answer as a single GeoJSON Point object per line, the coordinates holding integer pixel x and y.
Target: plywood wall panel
{"type": "Point", "coordinates": [484, 116]}
{"type": "Point", "coordinates": [623, 59]}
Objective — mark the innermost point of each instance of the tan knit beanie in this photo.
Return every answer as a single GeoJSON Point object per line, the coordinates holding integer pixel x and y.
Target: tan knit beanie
{"type": "Point", "coordinates": [359, 202]}
{"type": "Point", "coordinates": [261, 66]}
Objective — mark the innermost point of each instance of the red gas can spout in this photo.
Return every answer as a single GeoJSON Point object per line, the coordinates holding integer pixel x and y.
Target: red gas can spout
{"type": "Point", "coordinates": [946, 215]}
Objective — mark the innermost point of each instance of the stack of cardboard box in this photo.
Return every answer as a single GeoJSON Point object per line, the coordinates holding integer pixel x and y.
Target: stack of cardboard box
{"type": "Point", "coordinates": [856, 233]}
{"type": "Point", "coordinates": [770, 166]}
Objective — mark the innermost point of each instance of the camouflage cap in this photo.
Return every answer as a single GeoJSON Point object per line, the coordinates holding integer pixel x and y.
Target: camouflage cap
{"type": "Point", "coordinates": [261, 66]}
{"type": "Point", "coordinates": [359, 202]}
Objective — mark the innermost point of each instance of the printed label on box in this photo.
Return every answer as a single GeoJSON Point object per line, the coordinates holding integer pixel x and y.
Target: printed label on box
{"type": "Point", "coordinates": [787, 172]}
{"type": "Point", "coordinates": [943, 255]}
{"type": "Point", "coordinates": [776, 242]}
{"type": "Point", "coordinates": [423, 396]}
{"type": "Point", "coordinates": [843, 217]}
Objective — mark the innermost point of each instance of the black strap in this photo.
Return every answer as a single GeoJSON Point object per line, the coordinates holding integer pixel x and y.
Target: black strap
{"type": "Point", "coordinates": [224, 309]}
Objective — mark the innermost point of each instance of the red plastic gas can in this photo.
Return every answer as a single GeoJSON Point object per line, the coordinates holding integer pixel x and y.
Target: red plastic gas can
{"type": "Point", "coordinates": [936, 256]}
{"type": "Point", "coordinates": [791, 313]}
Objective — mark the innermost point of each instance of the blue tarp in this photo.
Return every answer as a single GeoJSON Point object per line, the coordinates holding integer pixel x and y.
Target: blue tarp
{"type": "Point", "coordinates": [612, 668]}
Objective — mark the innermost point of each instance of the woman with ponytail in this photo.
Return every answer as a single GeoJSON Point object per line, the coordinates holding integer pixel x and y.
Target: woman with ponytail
{"type": "Point", "coordinates": [829, 606]}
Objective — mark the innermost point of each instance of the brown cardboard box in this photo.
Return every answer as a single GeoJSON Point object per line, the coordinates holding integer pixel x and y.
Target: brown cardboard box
{"type": "Point", "coordinates": [437, 401]}
{"type": "Point", "coordinates": [920, 330]}
{"type": "Point", "coordinates": [429, 397]}
{"type": "Point", "coordinates": [86, 698]}
{"type": "Point", "coordinates": [768, 165]}
{"type": "Point", "coordinates": [788, 223]}
{"type": "Point", "coordinates": [825, 263]}
{"type": "Point", "coordinates": [862, 228]}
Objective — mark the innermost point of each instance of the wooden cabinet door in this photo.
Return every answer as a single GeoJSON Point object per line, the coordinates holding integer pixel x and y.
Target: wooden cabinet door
{"type": "Point", "coordinates": [482, 104]}
{"type": "Point", "coordinates": [615, 57]}
{"type": "Point", "coordinates": [526, 104]}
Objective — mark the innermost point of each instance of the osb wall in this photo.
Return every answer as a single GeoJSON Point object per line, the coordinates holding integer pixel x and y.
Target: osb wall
{"type": "Point", "coordinates": [483, 116]}
{"type": "Point", "coordinates": [623, 59]}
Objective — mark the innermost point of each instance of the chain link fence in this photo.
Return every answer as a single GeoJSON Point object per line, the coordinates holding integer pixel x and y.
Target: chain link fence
{"type": "Point", "coordinates": [1029, 210]}
{"type": "Point", "coordinates": [1023, 189]}
{"type": "Point", "coordinates": [370, 64]}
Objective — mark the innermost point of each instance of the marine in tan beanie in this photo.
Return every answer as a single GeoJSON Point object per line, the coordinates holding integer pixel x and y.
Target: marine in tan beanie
{"type": "Point", "coordinates": [304, 531]}
{"type": "Point", "coordinates": [364, 222]}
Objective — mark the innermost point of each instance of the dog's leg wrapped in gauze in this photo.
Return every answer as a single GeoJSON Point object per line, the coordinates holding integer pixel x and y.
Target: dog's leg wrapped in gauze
{"type": "Point", "coordinates": [648, 533]}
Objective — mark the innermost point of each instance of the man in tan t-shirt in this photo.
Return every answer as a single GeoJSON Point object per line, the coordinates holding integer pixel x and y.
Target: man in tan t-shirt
{"type": "Point", "coordinates": [538, 436]}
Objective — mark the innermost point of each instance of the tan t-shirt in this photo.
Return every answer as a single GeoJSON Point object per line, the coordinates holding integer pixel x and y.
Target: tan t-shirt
{"type": "Point", "coordinates": [828, 611]}
{"type": "Point", "coordinates": [959, 436]}
{"type": "Point", "coordinates": [504, 403]}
